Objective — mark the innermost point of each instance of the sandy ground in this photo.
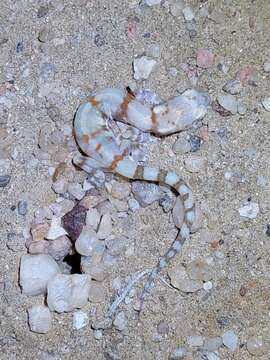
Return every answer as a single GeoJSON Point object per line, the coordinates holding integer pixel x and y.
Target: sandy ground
{"type": "Point", "coordinates": [237, 31]}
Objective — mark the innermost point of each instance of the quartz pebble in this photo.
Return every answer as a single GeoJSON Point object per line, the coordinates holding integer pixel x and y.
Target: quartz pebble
{"type": "Point", "coordinates": [152, 2]}
{"type": "Point", "coordinates": [96, 293]}
{"type": "Point", "coordinates": [67, 292]}
{"type": "Point", "coordinates": [143, 67]}
{"type": "Point", "coordinates": [180, 280]}
{"type": "Point", "coordinates": [35, 272]}
{"type": "Point", "coordinates": [230, 340]}
{"type": "Point", "coordinates": [250, 210]}
{"type": "Point", "coordinates": [146, 193]}
{"type": "Point", "coordinates": [266, 103]}
{"type": "Point", "coordinates": [59, 248]}
{"type": "Point", "coordinates": [212, 344]}
{"type": "Point", "coordinates": [205, 58]}
{"type": "Point", "coordinates": [39, 247]}
{"type": "Point", "coordinates": [80, 320]}
{"type": "Point", "coordinates": [133, 205]}
{"type": "Point", "coordinates": [39, 231]}
{"type": "Point", "coordinates": [39, 318]}
{"type": "Point", "coordinates": [208, 285]}
{"type": "Point", "coordinates": [266, 65]}
{"type": "Point", "coordinates": [97, 179]}
{"type": "Point", "coordinates": [116, 246]}
{"type": "Point", "coordinates": [178, 354]}
{"type": "Point", "coordinates": [120, 191]}
{"type": "Point", "coordinates": [86, 242]}
{"type": "Point", "coordinates": [95, 269]}
{"type": "Point", "coordinates": [98, 334]}
{"type": "Point", "coordinates": [153, 51]}
{"type": "Point", "coordinates": [120, 321]}
{"type": "Point", "coordinates": [105, 227]}
{"type": "Point", "coordinates": [241, 108]}
{"type": "Point", "coordinates": [181, 146]}
{"type": "Point", "coordinates": [188, 13]}
{"type": "Point", "coordinates": [256, 346]}
{"type": "Point", "coordinates": [195, 163]}
{"type": "Point", "coordinates": [76, 190]}
{"type": "Point", "coordinates": [195, 340]}
{"type": "Point", "coordinates": [55, 230]}
{"type": "Point", "coordinates": [176, 8]}
{"type": "Point", "coordinates": [228, 102]}
{"type": "Point", "coordinates": [92, 218]}
{"type": "Point", "coordinates": [60, 186]}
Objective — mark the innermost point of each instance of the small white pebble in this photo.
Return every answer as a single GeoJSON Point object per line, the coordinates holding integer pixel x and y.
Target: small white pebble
{"type": "Point", "coordinates": [152, 2]}
{"type": "Point", "coordinates": [195, 340]}
{"type": "Point", "coordinates": [55, 230]}
{"type": "Point", "coordinates": [105, 227]}
{"type": "Point", "coordinates": [188, 13]}
{"type": "Point", "coordinates": [266, 103]}
{"type": "Point", "coordinates": [250, 211]}
{"type": "Point", "coordinates": [208, 285]}
{"type": "Point", "coordinates": [98, 334]}
{"type": "Point", "coordinates": [80, 320]}
{"type": "Point", "coordinates": [120, 321]}
{"type": "Point", "coordinates": [230, 340]}
{"type": "Point", "coordinates": [40, 319]}
{"type": "Point", "coordinates": [266, 65]}
{"type": "Point", "coordinates": [143, 67]}
{"type": "Point", "coordinates": [92, 218]}
{"type": "Point", "coordinates": [256, 346]}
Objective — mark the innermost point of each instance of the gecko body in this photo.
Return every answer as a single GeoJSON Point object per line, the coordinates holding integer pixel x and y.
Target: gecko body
{"type": "Point", "coordinates": [101, 150]}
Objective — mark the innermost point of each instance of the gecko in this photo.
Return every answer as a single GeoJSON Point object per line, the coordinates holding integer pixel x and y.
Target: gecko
{"type": "Point", "coordinates": [100, 149]}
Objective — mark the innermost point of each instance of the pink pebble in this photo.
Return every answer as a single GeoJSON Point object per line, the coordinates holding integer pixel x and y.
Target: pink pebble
{"type": "Point", "coordinates": [205, 58]}
{"type": "Point", "coordinates": [244, 74]}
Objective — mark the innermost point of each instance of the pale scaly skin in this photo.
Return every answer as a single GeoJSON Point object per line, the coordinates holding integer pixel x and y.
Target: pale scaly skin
{"type": "Point", "coordinates": [101, 150]}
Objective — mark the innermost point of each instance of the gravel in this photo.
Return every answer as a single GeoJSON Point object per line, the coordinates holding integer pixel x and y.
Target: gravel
{"type": "Point", "coordinates": [88, 47]}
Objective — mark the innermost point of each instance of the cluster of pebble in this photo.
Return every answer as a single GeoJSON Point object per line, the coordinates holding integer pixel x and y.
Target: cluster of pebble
{"type": "Point", "coordinates": [86, 228]}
